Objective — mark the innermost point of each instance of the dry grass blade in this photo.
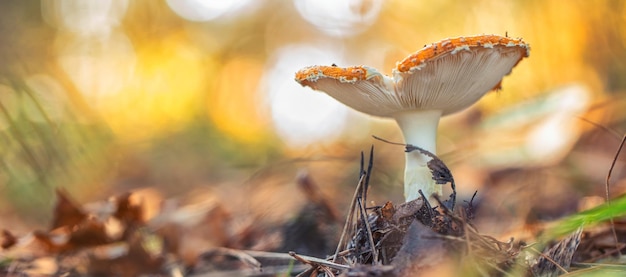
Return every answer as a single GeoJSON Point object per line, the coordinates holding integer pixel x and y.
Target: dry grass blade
{"type": "Point", "coordinates": [317, 261]}
{"type": "Point", "coordinates": [348, 226]}
{"type": "Point", "coordinates": [361, 202]}
{"type": "Point", "coordinates": [370, 238]}
{"type": "Point", "coordinates": [359, 196]}
{"type": "Point", "coordinates": [608, 194]}
{"type": "Point", "coordinates": [29, 153]}
{"type": "Point", "coordinates": [241, 255]}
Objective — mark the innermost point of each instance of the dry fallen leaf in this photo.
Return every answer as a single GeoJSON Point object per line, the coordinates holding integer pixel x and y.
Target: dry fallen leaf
{"type": "Point", "coordinates": [422, 250]}
{"type": "Point", "coordinates": [8, 239]}
{"type": "Point", "coordinates": [66, 211]}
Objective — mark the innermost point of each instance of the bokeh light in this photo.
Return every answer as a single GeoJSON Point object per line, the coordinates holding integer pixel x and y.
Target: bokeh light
{"type": "Point", "coordinates": [340, 18]}
{"type": "Point", "coordinates": [84, 18]}
{"type": "Point", "coordinates": [205, 10]}
{"type": "Point", "coordinates": [162, 92]}
{"type": "Point", "coordinates": [99, 67]}
{"type": "Point", "coordinates": [302, 116]}
{"type": "Point", "coordinates": [236, 107]}
{"type": "Point", "coordinates": [537, 132]}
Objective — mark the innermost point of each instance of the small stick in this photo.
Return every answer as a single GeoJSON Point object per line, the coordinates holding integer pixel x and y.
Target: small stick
{"type": "Point", "coordinates": [607, 186]}
{"type": "Point", "coordinates": [349, 219]}
{"type": "Point", "coordinates": [358, 194]}
{"type": "Point", "coordinates": [368, 173]}
{"type": "Point", "coordinates": [317, 261]}
{"type": "Point", "coordinates": [361, 202]}
{"type": "Point", "coordinates": [387, 141]}
{"type": "Point", "coordinates": [615, 134]}
{"type": "Point", "coordinates": [369, 233]}
{"type": "Point", "coordinates": [241, 255]}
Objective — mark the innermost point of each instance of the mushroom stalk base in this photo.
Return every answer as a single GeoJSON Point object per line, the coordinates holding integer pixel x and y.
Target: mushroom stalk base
{"type": "Point", "coordinates": [419, 129]}
{"type": "Point", "coordinates": [417, 178]}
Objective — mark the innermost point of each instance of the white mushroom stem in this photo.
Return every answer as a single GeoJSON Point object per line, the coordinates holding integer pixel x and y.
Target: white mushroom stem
{"type": "Point", "coordinates": [419, 129]}
{"type": "Point", "coordinates": [442, 78]}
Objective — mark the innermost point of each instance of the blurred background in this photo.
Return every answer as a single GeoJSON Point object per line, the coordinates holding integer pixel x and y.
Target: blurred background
{"type": "Point", "coordinates": [196, 100]}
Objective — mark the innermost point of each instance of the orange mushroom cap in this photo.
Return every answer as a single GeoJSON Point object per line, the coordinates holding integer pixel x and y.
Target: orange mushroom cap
{"type": "Point", "coordinates": [449, 75]}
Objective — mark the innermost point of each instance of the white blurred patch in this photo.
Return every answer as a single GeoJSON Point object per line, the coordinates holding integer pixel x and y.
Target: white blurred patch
{"type": "Point", "coordinates": [340, 18]}
{"type": "Point", "coordinates": [205, 10]}
{"type": "Point", "coordinates": [84, 17]}
{"type": "Point", "coordinates": [538, 132]}
{"type": "Point", "coordinates": [559, 131]}
{"type": "Point", "coordinates": [98, 67]}
{"type": "Point", "coordinates": [302, 116]}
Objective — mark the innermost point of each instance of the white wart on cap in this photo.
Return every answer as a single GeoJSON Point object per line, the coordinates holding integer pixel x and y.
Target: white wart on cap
{"type": "Point", "coordinates": [442, 78]}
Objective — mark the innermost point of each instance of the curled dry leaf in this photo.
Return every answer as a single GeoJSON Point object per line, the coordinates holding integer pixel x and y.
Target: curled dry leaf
{"type": "Point", "coordinates": [66, 211]}
{"type": "Point", "coordinates": [128, 212]}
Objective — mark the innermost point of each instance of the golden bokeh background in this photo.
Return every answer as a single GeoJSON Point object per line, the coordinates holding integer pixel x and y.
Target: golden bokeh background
{"type": "Point", "coordinates": [185, 95]}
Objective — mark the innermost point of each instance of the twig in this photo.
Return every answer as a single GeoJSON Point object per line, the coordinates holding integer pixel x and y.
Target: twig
{"type": "Point", "coordinates": [361, 203]}
{"type": "Point", "coordinates": [239, 254]}
{"type": "Point", "coordinates": [317, 261]}
{"type": "Point", "coordinates": [369, 234]}
{"type": "Point", "coordinates": [608, 197]}
{"type": "Point", "coordinates": [349, 219]}
{"type": "Point", "coordinates": [615, 134]}
{"type": "Point", "coordinates": [359, 193]}
{"type": "Point", "coordinates": [368, 173]}
{"type": "Point", "coordinates": [387, 141]}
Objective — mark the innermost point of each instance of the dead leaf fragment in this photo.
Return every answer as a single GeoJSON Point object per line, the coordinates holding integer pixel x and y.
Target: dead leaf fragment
{"type": "Point", "coordinates": [66, 211]}
{"type": "Point", "coordinates": [422, 251]}
{"type": "Point", "coordinates": [557, 259]}
{"type": "Point", "coordinates": [8, 239]}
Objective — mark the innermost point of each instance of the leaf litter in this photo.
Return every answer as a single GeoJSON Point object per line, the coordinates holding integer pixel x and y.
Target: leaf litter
{"type": "Point", "coordinates": [417, 237]}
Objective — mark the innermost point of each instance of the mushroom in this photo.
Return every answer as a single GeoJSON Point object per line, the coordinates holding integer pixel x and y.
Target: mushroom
{"type": "Point", "coordinates": [440, 79]}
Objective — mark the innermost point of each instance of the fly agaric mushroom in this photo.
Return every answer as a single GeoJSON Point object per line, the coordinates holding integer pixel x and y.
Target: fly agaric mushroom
{"type": "Point", "coordinates": [440, 79]}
